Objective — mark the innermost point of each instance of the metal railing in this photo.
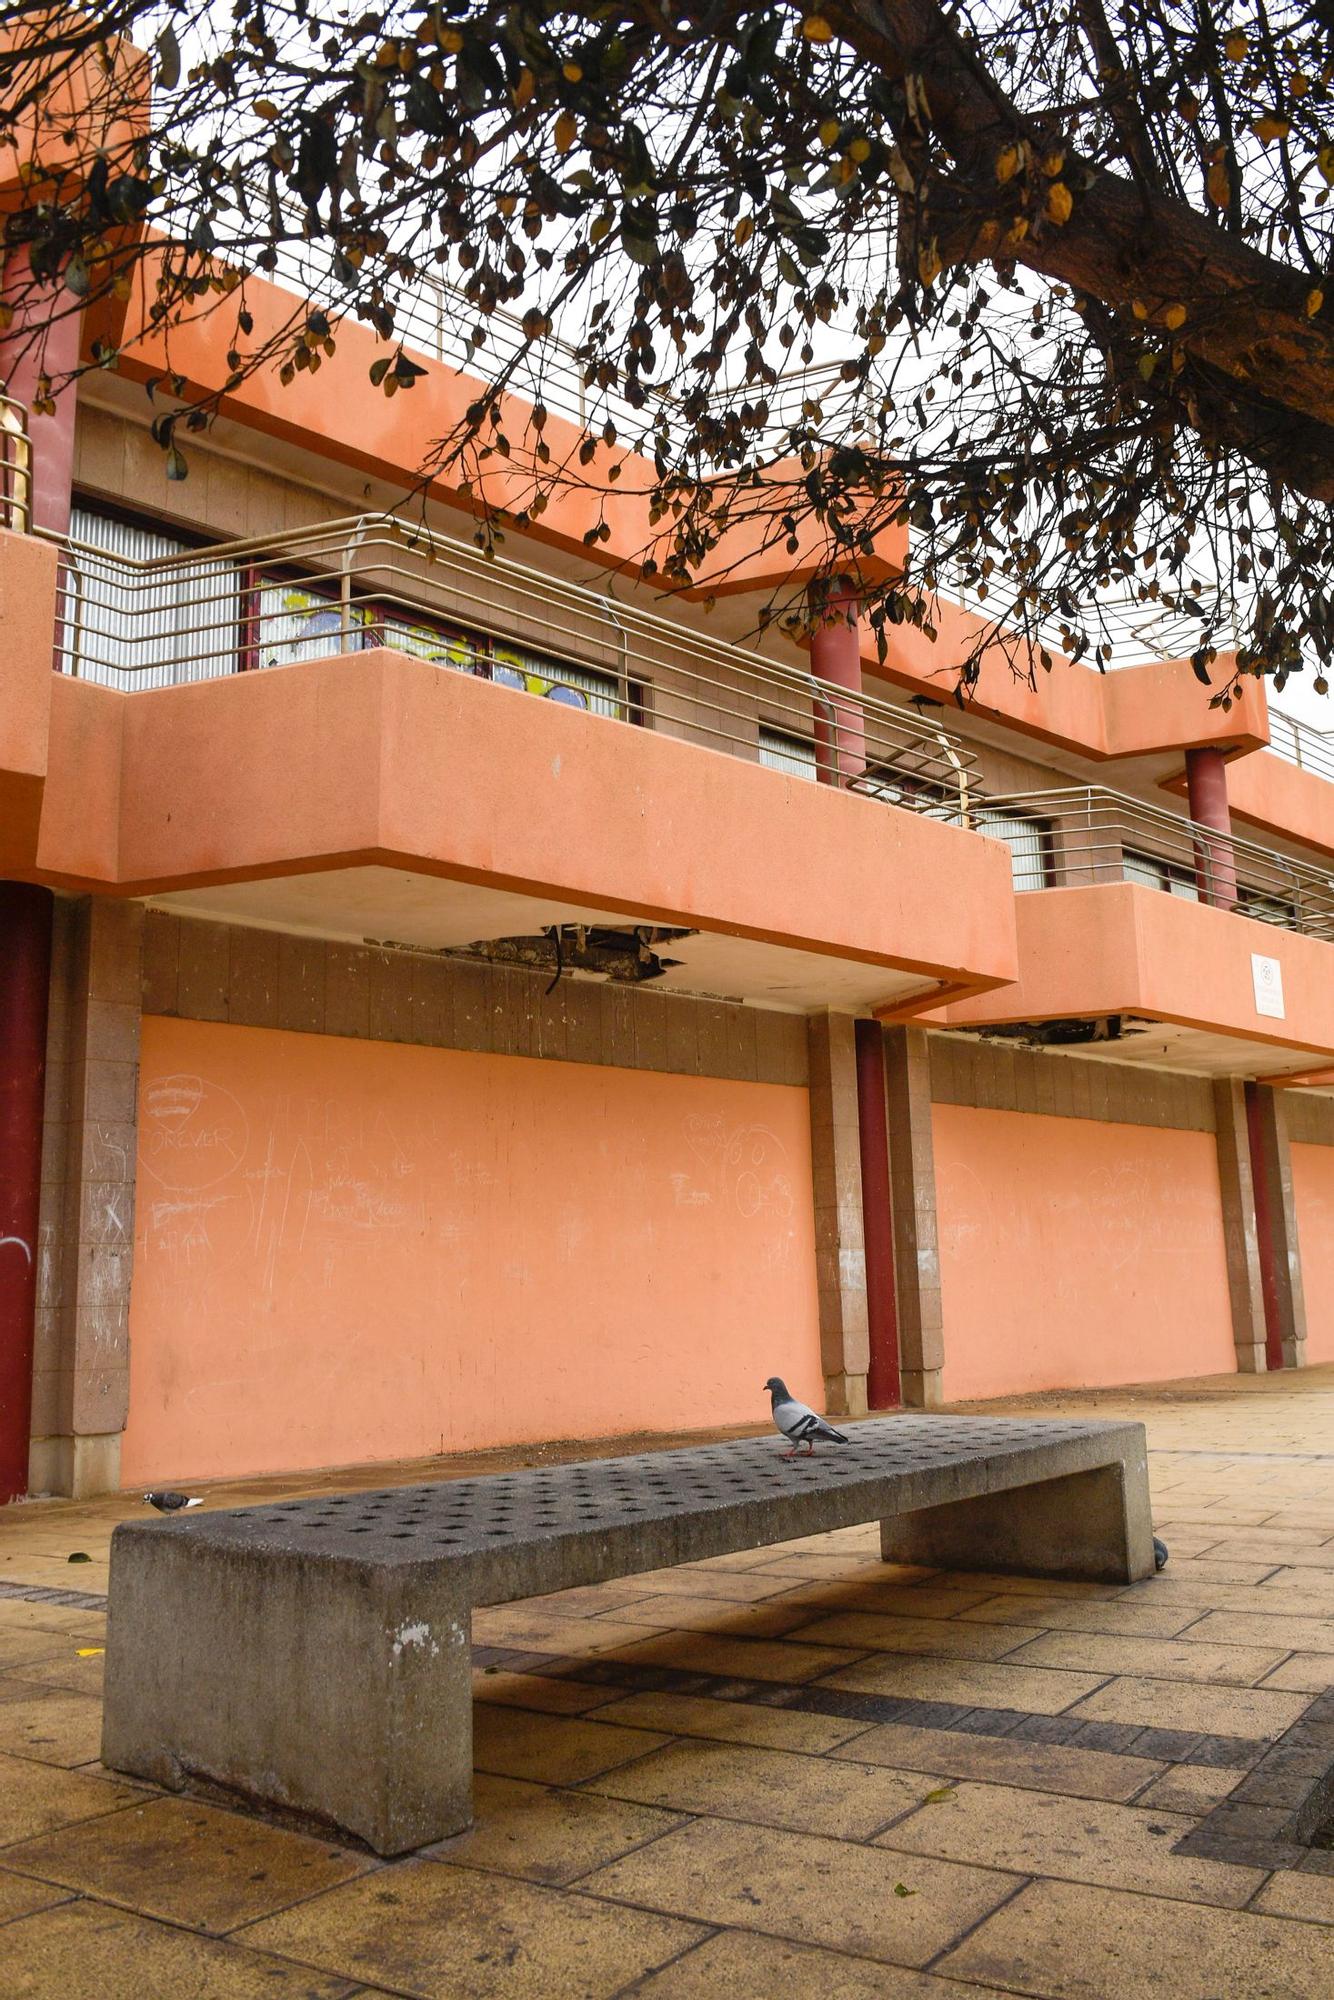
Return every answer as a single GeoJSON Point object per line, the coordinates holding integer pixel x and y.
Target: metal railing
{"type": "Point", "coordinates": [1086, 834]}
{"type": "Point", "coordinates": [15, 468]}
{"type": "Point", "coordinates": [370, 581]}
{"type": "Point", "coordinates": [1299, 743]}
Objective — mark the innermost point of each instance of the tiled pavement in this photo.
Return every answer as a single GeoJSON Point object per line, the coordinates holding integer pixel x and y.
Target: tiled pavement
{"type": "Point", "coordinates": [790, 1766]}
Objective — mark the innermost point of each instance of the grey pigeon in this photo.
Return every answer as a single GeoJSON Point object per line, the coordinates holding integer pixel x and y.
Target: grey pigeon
{"type": "Point", "coordinates": [170, 1503]}
{"type": "Point", "coordinates": [798, 1421]}
{"type": "Point", "coordinates": [1159, 1553]}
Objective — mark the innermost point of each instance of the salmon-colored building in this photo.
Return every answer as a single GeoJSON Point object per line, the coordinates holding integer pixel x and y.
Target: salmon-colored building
{"type": "Point", "coordinates": [450, 1002]}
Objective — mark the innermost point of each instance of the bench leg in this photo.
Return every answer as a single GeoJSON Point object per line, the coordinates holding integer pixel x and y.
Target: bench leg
{"type": "Point", "coordinates": [1092, 1525]}
{"type": "Point", "coordinates": [340, 1693]}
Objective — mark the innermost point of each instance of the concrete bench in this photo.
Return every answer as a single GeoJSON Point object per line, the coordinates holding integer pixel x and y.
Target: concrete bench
{"type": "Point", "coordinates": [315, 1654]}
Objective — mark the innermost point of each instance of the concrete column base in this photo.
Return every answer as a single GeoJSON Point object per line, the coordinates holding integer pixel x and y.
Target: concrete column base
{"type": "Point", "coordinates": [845, 1396]}
{"type": "Point", "coordinates": [1251, 1359]}
{"type": "Point", "coordinates": [79, 1467]}
{"type": "Point", "coordinates": [1089, 1524]}
{"type": "Point", "coordinates": [921, 1389]}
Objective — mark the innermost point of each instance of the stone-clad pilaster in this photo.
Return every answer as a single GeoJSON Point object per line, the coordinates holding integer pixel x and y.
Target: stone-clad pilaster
{"type": "Point", "coordinates": [1240, 1239]}
{"type": "Point", "coordinates": [840, 1250]}
{"type": "Point", "coordinates": [86, 1233]}
{"type": "Point", "coordinates": [912, 1173]}
{"type": "Point", "coordinates": [1276, 1217]}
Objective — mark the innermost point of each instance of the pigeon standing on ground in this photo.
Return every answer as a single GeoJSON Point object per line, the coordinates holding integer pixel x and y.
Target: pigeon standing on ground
{"type": "Point", "coordinates": [170, 1503]}
{"type": "Point", "coordinates": [798, 1421]}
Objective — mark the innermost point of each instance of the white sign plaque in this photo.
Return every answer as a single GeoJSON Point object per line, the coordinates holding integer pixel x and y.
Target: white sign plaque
{"type": "Point", "coordinates": [1267, 976]}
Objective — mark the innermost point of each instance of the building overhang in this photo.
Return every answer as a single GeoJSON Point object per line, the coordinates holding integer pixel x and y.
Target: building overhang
{"type": "Point", "coordinates": [379, 795]}
{"type": "Point", "coordinates": [1124, 973]}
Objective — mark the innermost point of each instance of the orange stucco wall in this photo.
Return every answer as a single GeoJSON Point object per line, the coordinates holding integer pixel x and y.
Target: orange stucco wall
{"type": "Point", "coordinates": [1075, 1254]}
{"type": "Point", "coordinates": [1313, 1188]}
{"type": "Point", "coordinates": [359, 1250]}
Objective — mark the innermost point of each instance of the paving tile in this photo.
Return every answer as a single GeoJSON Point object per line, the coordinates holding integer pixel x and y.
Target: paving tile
{"type": "Point", "coordinates": [537, 1691]}
{"type": "Point", "coordinates": [590, 1600]}
{"type": "Point", "coordinates": [906, 1600]}
{"type": "Point", "coordinates": [545, 1835]}
{"type": "Point", "coordinates": [1068, 1942]}
{"type": "Point", "coordinates": [677, 1612]}
{"type": "Point", "coordinates": [66, 1670]}
{"type": "Point", "coordinates": [1166, 1659]}
{"type": "Point", "coordinates": [813, 1890]}
{"type": "Point", "coordinates": [461, 1934]}
{"type": "Point", "coordinates": [1214, 1711]}
{"type": "Point", "coordinates": [542, 1632]}
{"type": "Point", "coordinates": [1260, 1600]}
{"type": "Point", "coordinates": [24, 1648]}
{"type": "Point", "coordinates": [84, 1951]}
{"type": "Point", "coordinates": [767, 1788]}
{"type": "Point", "coordinates": [1309, 1672]}
{"type": "Point", "coordinates": [1078, 1614]}
{"type": "Point", "coordinates": [1189, 1788]}
{"type": "Point", "coordinates": [731, 1586]}
{"type": "Point", "coordinates": [1079, 1840]}
{"type": "Point", "coordinates": [1026, 1586]}
{"type": "Point", "coordinates": [978, 1683]}
{"type": "Point", "coordinates": [37, 1798]}
{"type": "Point", "coordinates": [550, 1749]}
{"type": "Point", "coordinates": [20, 1896]}
{"type": "Point", "coordinates": [747, 1659]}
{"type": "Point", "coordinates": [1006, 1760]}
{"type": "Point", "coordinates": [758, 1968]}
{"type": "Point", "coordinates": [1288, 1894]}
{"type": "Point", "coordinates": [1295, 1551]}
{"type": "Point", "coordinates": [1267, 1628]}
{"type": "Point", "coordinates": [950, 1638]}
{"type": "Point", "coordinates": [1214, 1569]}
{"type": "Point", "coordinates": [19, 1615]}
{"type": "Point", "coordinates": [816, 1568]}
{"type": "Point", "coordinates": [188, 1863]}
{"type": "Point", "coordinates": [52, 1726]}
{"type": "Point", "coordinates": [733, 1721]}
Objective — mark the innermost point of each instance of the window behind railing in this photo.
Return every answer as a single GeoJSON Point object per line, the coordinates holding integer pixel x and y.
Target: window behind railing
{"type": "Point", "coordinates": [1152, 873]}
{"type": "Point", "coordinates": [781, 752]}
{"type": "Point", "coordinates": [123, 628]}
{"type": "Point", "coordinates": [1029, 842]}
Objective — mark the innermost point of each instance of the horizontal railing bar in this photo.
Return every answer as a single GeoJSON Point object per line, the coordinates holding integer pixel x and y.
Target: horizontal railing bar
{"type": "Point", "coordinates": [376, 546]}
{"type": "Point", "coordinates": [1090, 829]}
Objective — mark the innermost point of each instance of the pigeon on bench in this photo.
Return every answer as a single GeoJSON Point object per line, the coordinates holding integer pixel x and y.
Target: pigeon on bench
{"type": "Point", "coordinates": [170, 1503]}
{"type": "Point", "coordinates": [798, 1421]}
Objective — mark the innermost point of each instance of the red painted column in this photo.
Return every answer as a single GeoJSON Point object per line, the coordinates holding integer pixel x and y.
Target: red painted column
{"type": "Point", "coordinates": [836, 658]}
{"type": "Point", "coordinates": [25, 981]}
{"type": "Point", "coordinates": [22, 362]}
{"type": "Point", "coordinates": [1206, 790]}
{"type": "Point", "coordinates": [882, 1380]}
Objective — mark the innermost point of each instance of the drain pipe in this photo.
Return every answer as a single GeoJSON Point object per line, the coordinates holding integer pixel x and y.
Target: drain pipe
{"type": "Point", "coordinates": [883, 1386]}
{"type": "Point", "coordinates": [25, 983]}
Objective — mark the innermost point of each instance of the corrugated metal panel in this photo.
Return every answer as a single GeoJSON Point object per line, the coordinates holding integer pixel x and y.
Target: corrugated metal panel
{"type": "Point", "coordinates": [1028, 841]}
{"type": "Point", "coordinates": [792, 754]}
{"type": "Point", "coordinates": [127, 630]}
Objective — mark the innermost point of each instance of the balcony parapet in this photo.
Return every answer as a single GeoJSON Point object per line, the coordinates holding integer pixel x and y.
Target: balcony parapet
{"type": "Point", "coordinates": [1127, 951]}
{"type": "Point", "coordinates": [367, 582]}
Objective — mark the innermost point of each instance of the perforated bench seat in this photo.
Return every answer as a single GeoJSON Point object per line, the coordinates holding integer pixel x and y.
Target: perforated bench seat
{"type": "Point", "coordinates": [315, 1654]}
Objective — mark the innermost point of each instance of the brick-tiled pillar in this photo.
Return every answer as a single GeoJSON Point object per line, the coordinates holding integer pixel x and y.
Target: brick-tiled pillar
{"type": "Point", "coordinates": [840, 1251]}
{"type": "Point", "coordinates": [86, 1233]}
{"type": "Point", "coordinates": [912, 1173]}
{"type": "Point", "coordinates": [1276, 1226]}
{"type": "Point", "coordinates": [1240, 1238]}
